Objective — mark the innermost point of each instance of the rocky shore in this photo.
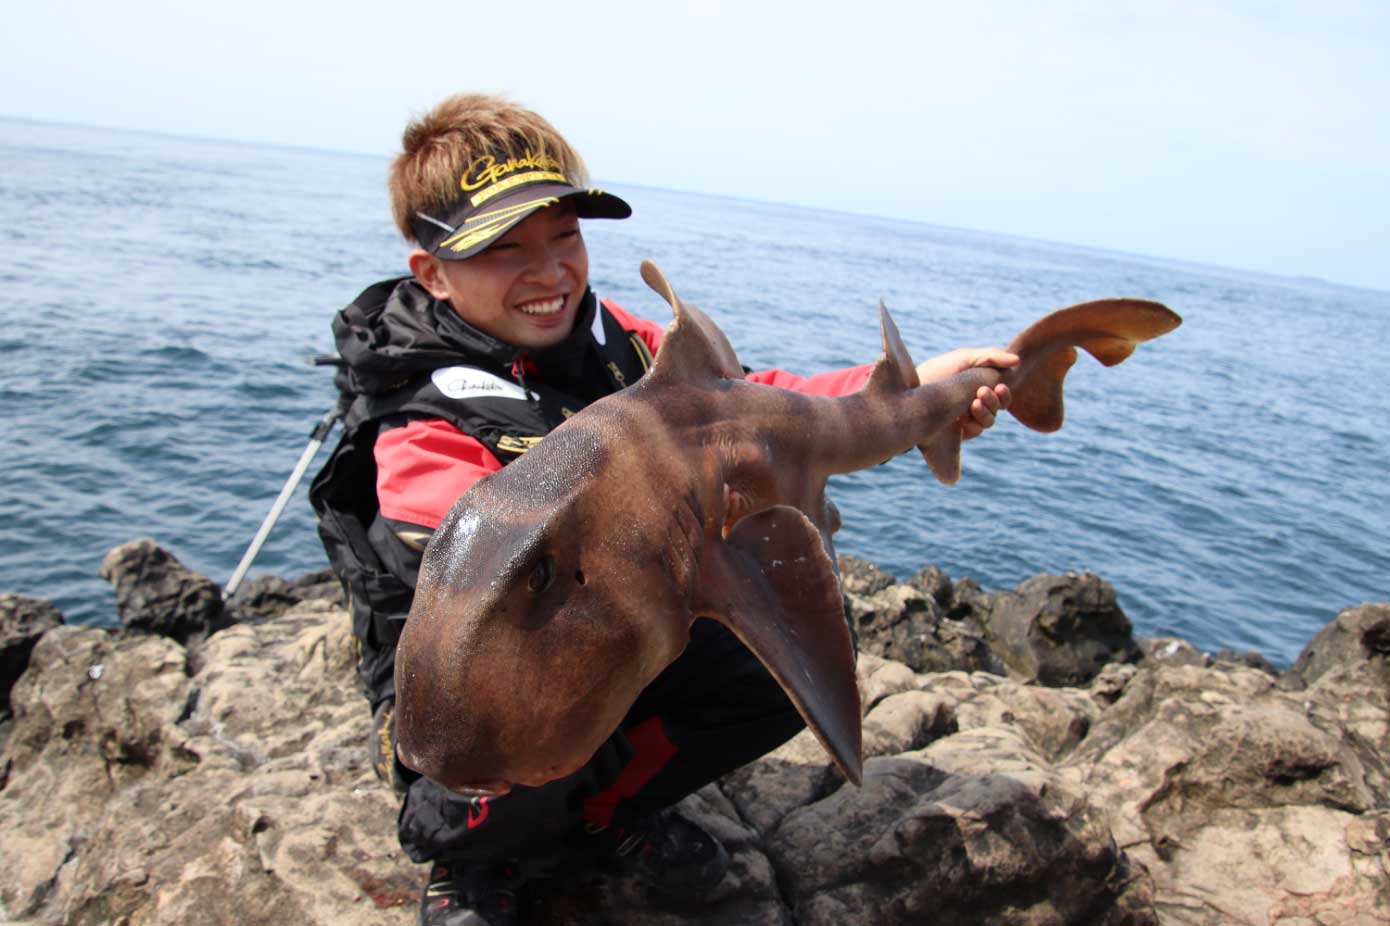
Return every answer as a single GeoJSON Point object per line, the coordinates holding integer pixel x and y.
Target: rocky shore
{"type": "Point", "coordinates": [1029, 761]}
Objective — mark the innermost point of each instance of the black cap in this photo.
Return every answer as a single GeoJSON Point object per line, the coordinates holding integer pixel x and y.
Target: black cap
{"type": "Point", "coordinates": [496, 194]}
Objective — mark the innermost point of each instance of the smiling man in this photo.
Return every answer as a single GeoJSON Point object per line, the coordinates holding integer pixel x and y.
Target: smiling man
{"type": "Point", "coordinates": [455, 371]}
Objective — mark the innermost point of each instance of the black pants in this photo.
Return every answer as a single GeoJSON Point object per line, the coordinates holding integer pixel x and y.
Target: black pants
{"type": "Point", "coordinates": [712, 710]}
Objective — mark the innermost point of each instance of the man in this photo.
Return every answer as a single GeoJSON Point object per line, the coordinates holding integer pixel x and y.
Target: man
{"type": "Point", "coordinates": [453, 372]}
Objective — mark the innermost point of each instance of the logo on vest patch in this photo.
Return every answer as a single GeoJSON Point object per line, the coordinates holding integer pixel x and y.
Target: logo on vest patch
{"type": "Point", "coordinates": [472, 383]}
{"type": "Point", "coordinates": [512, 443]}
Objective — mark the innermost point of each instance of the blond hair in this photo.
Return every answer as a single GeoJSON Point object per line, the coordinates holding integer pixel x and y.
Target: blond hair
{"type": "Point", "coordinates": [438, 147]}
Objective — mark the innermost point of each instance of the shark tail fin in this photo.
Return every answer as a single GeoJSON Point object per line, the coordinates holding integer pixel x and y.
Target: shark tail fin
{"type": "Point", "coordinates": [1107, 329]}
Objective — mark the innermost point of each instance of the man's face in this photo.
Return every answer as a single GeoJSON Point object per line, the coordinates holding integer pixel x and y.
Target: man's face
{"type": "Point", "coordinates": [526, 288]}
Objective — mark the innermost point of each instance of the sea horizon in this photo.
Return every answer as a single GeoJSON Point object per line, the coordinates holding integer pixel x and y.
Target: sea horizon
{"type": "Point", "coordinates": [1188, 262]}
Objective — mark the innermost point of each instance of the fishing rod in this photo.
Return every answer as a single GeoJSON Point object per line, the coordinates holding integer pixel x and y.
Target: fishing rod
{"type": "Point", "coordinates": [316, 438]}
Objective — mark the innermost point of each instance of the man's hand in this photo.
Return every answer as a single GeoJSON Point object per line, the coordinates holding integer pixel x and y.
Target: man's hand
{"type": "Point", "coordinates": [988, 402]}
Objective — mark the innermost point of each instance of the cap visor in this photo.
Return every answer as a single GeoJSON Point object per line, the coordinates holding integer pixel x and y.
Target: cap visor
{"type": "Point", "coordinates": [500, 216]}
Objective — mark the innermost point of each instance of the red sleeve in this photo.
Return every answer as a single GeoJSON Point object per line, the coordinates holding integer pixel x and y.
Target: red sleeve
{"type": "Point", "coordinates": [649, 331]}
{"type": "Point", "coordinates": [423, 466]}
{"type": "Point", "coordinates": [836, 382]}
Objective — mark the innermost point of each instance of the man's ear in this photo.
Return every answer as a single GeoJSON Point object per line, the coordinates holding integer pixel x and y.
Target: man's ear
{"type": "Point", "coordinates": [425, 267]}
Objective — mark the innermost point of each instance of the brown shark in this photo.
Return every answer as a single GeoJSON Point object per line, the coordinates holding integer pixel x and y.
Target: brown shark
{"type": "Point", "coordinates": [559, 587]}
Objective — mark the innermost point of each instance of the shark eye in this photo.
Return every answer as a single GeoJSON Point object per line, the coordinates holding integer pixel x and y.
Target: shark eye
{"type": "Point", "coordinates": [542, 575]}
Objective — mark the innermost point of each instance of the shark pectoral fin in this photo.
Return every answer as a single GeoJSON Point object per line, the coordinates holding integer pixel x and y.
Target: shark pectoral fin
{"type": "Point", "coordinates": [773, 584]}
{"type": "Point", "coordinates": [693, 349]}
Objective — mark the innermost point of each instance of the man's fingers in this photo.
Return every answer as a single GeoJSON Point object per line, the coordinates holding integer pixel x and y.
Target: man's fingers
{"type": "Point", "coordinates": [994, 357]}
{"type": "Point", "coordinates": [981, 411]}
{"type": "Point", "coordinates": [984, 409]}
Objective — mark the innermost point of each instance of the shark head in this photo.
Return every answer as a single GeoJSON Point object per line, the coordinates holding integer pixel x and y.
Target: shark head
{"type": "Point", "coordinates": [543, 609]}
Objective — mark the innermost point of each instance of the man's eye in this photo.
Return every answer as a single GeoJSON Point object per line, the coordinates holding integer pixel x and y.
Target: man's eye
{"type": "Point", "coordinates": [541, 576]}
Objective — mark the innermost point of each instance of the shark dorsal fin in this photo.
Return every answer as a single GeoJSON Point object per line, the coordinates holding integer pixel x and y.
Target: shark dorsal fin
{"type": "Point", "coordinates": [693, 348]}
{"type": "Point", "coordinates": [895, 371]}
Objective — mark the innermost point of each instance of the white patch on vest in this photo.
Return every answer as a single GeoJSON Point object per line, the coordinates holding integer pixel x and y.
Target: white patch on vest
{"type": "Point", "coordinates": [599, 334]}
{"type": "Point", "coordinates": [472, 383]}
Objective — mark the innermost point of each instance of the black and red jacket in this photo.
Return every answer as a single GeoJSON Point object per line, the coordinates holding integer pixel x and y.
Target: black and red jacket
{"type": "Point", "coordinates": [433, 405]}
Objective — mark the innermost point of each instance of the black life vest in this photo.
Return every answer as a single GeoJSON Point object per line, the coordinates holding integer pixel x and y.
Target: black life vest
{"type": "Point", "coordinates": [473, 382]}
{"type": "Point", "coordinates": [507, 412]}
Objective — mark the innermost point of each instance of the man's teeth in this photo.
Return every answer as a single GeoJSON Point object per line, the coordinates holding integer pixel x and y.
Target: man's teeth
{"type": "Point", "coordinates": [544, 307]}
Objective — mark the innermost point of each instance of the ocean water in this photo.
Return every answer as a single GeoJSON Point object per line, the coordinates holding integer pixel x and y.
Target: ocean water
{"type": "Point", "coordinates": [159, 296]}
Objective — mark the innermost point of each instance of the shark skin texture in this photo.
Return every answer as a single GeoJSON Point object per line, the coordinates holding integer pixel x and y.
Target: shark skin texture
{"type": "Point", "coordinates": [559, 587]}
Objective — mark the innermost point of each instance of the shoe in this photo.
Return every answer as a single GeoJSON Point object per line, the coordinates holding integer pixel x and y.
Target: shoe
{"type": "Point", "coordinates": [383, 747]}
{"type": "Point", "coordinates": [470, 894]}
{"type": "Point", "coordinates": [671, 854]}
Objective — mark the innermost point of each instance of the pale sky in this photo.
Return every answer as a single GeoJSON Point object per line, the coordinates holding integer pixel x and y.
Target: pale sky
{"type": "Point", "coordinates": [1245, 134]}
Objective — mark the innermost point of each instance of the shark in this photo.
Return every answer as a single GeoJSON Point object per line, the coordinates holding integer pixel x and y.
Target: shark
{"type": "Point", "coordinates": [556, 589]}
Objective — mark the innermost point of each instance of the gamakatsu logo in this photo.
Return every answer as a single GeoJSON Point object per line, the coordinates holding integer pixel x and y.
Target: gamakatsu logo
{"type": "Point", "coordinates": [487, 169]}
{"type": "Point", "coordinates": [472, 383]}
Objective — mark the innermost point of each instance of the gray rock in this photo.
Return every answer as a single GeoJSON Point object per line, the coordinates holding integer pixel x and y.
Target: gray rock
{"type": "Point", "coordinates": [269, 596]}
{"type": "Point", "coordinates": [861, 577]}
{"type": "Point", "coordinates": [973, 829]}
{"type": "Point", "coordinates": [22, 621]}
{"type": "Point", "coordinates": [1356, 643]}
{"type": "Point", "coordinates": [969, 602]}
{"type": "Point", "coordinates": [1110, 683]}
{"type": "Point", "coordinates": [910, 624]}
{"type": "Point", "coordinates": [319, 585]}
{"type": "Point", "coordinates": [1060, 629]}
{"type": "Point", "coordinates": [93, 718]}
{"type": "Point", "coordinates": [936, 585]}
{"type": "Point", "coordinates": [1171, 651]}
{"type": "Point", "coordinates": [1248, 658]}
{"type": "Point", "coordinates": [1241, 800]}
{"type": "Point", "coordinates": [262, 598]}
{"type": "Point", "coordinates": [143, 788]}
{"type": "Point", "coordinates": [157, 594]}
{"type": "Point", "coordinates": [1345, 670]}
{"type": "Point", "coordinates": [239, 794]}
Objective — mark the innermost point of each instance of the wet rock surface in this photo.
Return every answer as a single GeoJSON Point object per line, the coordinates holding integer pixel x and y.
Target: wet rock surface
{"type": "Point", "coordinates": [1006, 780]}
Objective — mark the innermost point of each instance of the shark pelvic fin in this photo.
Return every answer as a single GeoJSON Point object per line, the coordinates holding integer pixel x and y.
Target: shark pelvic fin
{"type": "Point", "coordinates": [1107, 329]}
{"type": "Point", "coordinates": [942, 454]}
{"type": "Point", "coordinates": [773, 584]}
{"type": "Point", "coordinates": [693, 348]}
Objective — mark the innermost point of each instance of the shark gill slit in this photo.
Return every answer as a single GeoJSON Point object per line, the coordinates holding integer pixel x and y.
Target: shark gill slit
{"type": "Point", "coordinates": [680, 555]}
